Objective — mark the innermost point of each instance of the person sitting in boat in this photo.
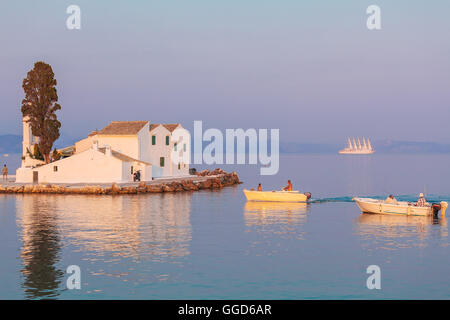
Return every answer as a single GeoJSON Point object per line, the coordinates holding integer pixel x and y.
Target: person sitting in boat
{"type": "Point", "coordinates": [259, 187]}
{"type": "Point", "coordinates": [421, 202]}
{"type": "Point", "coordinates": [288, 187]}
{"type": "Point", "coordinates": [391, 199]}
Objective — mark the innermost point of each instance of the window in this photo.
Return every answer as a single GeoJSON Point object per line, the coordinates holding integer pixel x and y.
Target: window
{"type": "Point", "coordinates": [179, 166]}
{"type": "Point", "coordinates": [131, 169]}
{"type": "Point", "coordinates": [184, 147]}
{"type": "Point", "coordinates": [55, 168]}
{"type": "Point", "coordinates": [175, 146]}
{"type": "Point", "coordinates": [153, 140]}
{"type": "Point", "coordinates": [167, 140]}
{"type": "Point", "coordinates": [161, 162]}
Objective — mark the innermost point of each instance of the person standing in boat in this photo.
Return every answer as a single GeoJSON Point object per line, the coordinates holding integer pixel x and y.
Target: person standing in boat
{"type": "Point", "coordinates": [288, 187]}
{"type": "Point", "coordinates": [391, 199]}
{"type": "Point", "coordinates": [259, 187]}
{"type": "Point", "coordinates": [421, 202]}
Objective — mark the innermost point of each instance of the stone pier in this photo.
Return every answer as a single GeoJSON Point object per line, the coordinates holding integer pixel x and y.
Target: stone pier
{"type": "Point", "coordinates": [216, 179]}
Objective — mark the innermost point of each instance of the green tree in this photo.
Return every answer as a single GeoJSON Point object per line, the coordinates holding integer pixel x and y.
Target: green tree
{"type": "Point", "coordinates": [40, 106]}
{"type": "Point", "coordinates": [56, 155]}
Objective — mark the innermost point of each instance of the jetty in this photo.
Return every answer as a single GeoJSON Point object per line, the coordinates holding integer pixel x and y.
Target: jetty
{"type": "Point", "coordinates": [204, 180]}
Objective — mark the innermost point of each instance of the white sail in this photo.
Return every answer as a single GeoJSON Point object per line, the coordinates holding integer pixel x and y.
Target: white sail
{"type": "Point", "coordinates": [354, 146]}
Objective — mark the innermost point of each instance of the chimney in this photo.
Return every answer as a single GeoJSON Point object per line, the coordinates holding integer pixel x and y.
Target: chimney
{"type": "Point", "coordinates": [95, 145]}
{"type": "Point", "coordinates": [108, 151]}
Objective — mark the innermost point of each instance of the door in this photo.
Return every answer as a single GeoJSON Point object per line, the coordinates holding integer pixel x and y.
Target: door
{"type": "Point", "coordinates": [35, 176]}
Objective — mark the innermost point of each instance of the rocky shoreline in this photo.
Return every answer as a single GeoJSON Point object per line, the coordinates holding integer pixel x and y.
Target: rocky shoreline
{"type": "Point", "coordinates": [204, 180]}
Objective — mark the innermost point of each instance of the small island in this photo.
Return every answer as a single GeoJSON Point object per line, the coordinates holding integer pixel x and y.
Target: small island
{"type": "Point", "coordinates": [125, 157]}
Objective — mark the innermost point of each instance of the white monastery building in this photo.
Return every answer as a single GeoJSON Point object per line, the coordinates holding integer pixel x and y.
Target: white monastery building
{"type": "Point", "coordinates": [112, 154]}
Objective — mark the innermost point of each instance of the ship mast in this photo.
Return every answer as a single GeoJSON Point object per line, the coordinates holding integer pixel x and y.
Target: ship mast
{"type": "Point", "coordinates": [369, 144]}
{"type": "Point", "coordinates": [359, 144]}
{"type": "Point", "coordinates": [364, 143]}
{"type": "Point", "coordinates": [354, 144]}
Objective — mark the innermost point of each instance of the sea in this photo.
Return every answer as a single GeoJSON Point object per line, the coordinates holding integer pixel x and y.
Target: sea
{"type": "Point", "coordinates": [216, 245]}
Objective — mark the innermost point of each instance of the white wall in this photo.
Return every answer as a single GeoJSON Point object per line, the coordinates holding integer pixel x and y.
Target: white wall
{"type": "Point", "coordinates": [160, 150]}
{"type": "Point", "coordinates": [144, 144]}
{"type": "Point", "coordinates": [163, 150]}
{"type": "Point", "coordinates": [128, 145]}
{"type": "Point", "coordinates": [184, 170]}
{"type": "Point", "coordinates": [86, 167]}
{"type": "Point", "coordinates": [24, 175]}
{"type": "Point", "coordinates": [85, 144]}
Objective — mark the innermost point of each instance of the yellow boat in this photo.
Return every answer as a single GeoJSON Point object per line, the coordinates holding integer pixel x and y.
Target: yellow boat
{"type": "Point", "coordinates": [278, 196]}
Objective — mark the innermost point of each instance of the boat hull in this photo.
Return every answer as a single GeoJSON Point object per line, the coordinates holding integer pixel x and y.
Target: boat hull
{"type": "Point", "coordinates": [356, 152]}
{"type": "Point", "coordinates": [275, 196]}
{"type": "Point", "coordinates": [368, 205]}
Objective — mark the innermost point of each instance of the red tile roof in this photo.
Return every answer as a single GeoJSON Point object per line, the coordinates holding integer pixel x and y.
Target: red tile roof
{"type": "Point", "coordinates": [169, 126]}
{"type": "Point", "coordinates": [123, 128]}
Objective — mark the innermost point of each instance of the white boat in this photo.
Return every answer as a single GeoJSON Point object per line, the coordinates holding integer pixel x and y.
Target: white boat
{"type": "Point", "coordinates": [369, 205]}
{"type": "Point", "coordinates": [358, 148]}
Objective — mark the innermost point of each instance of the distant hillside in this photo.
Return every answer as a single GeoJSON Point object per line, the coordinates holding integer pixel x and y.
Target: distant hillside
{"type": "Point", "coordinates": [383, 147]}
{"type": "Point", "coordinates": [11, 143]}
{"type": "Point", "coordinates": [410, 147]}
{"type": "Point", "coordinates": [293, 147]}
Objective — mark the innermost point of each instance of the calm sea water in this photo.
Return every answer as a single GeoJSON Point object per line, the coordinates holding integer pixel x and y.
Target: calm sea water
{"type": "Point", "coordinates": [214, 245]}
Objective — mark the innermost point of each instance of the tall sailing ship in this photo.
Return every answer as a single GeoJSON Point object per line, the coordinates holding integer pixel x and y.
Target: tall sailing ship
{"type": "Point", "coordinates": [354, 146]}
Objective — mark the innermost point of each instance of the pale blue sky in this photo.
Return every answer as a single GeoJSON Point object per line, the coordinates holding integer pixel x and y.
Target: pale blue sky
{"type": "Point", "coordinates": [311, 68]}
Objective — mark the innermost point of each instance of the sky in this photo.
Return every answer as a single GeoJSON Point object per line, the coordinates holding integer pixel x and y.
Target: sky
{"type": "Point", "coordinates": [310, 68]}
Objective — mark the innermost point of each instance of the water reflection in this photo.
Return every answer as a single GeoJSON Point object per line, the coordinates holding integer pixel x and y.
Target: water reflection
{"type": "Point", "coordinates": [266, 213]}
{"type": "Point", "coordinates": [41, 247]}
{"type": "Point", "coordinates": [358, 174]}
{"type": "Point", "coordinates": [149, 226]}
{"type": "Point", "coordinates": [275, 217]}
{"type": "Point", "coordinates": [102, 228]}
{"type": "Point", "coordinates": [392, 231]}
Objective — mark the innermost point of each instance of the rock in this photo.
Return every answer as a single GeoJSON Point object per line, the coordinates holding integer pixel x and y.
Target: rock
{"type": "Point", "coordinates": [216, 172]}
{"type": "Point", "coordinates": [115, 189]}
{"type": "Point", "coordinates": [168, 188]}
{"type": "Point", "coordinates": [203, 173]}
{"type": "Point", "coordinates": [205, 184]}
{"type": "Point", "coordinates": [216, 183]}
{"type": "Point", "coordinates": [177, 186]}
{"type": "Point", "coordinates": [189, 186]}
{"type": "Point", "coordinates": [128, 190]}
{"type": "Point", "coordinates": [154, 188]}
{"type": "Point", "coordinates": [215, 179]}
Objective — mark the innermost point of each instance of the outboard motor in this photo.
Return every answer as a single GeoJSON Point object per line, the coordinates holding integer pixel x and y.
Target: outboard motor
{"type": "Point", "coordinates": [436, 208]}
{"type": "Point", "coordinates": [308, 195]}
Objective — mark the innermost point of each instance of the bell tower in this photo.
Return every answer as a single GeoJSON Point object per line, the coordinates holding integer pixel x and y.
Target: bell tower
{"type": "Point", "coordinates": [27, 140]}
